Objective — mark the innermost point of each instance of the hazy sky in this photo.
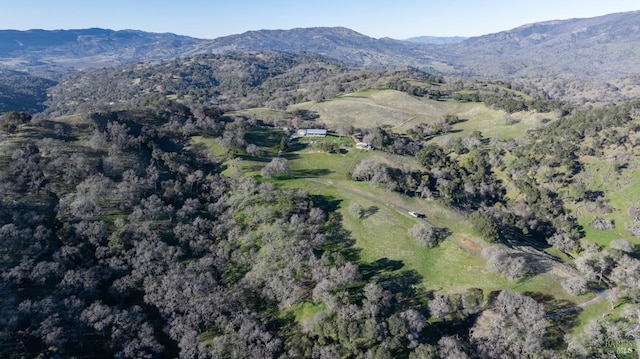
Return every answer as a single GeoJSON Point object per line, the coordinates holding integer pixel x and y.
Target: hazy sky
{"type": "Point", "coordinates": [209, 19]}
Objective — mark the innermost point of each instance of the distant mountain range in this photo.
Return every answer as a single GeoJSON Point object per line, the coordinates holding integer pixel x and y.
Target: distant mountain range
{"type": "Point", "coordinates": [335, 42]}
{"type": "Point", "coordinates": [60, 52]}
{"type": "Point", "coordinates": [437, 40]}
{"type": "Point", "coordinates": [601, 49]}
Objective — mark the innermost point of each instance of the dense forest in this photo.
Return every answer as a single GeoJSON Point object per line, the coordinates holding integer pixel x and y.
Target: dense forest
{"type": "Point", "coordinates": [120, 237]}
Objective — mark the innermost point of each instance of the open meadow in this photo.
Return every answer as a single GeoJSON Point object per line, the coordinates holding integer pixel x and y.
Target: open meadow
{"type": "Point", "coordinates": [401, 112]}
{"type": "Point", "coordinates": [381, 235]}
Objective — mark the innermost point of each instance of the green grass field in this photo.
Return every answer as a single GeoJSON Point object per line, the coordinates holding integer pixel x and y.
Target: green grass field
{"type": "Point", "coordinates": [622, 190]}
{"type": "Point", "coordinates": [382, 233]}
{"type": "Point", "coordinates": [400, 111]}
{"type": "Point", "coordinates": [211, 144]}
{"type": "Point", "coordinates": [384, 248]}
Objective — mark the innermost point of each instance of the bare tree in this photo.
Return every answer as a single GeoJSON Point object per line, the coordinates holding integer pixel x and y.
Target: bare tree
{"type": "Point", "coordinates": [426, 235]}
{"type": "Point", "coordinates": [515, 326]}
{"type": "Point", "coordinates": [277, 166]}
{"type": "Point", "coordinates": [503, 263]}
{"type": "Point", "coordinates": [440, 305]}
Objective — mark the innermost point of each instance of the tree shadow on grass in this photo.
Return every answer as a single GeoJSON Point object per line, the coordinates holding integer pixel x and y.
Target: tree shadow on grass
{"type": "Point", "coordinates": [387, 272]}
{"type": "Point", "coordinates": [382, 265]}
{"type": "Point", "coordinates": [402, 283]}
{"type": "Point", "coordinates": [318, 172]}
{"type": "Point", "coordinates": [294, 146]}
{"type": "Point", "coordinates": [513, 238]}
{"type": "Point", "coordinates": [329, 204]}
{"type": "Point", "coordinates": [290, 156]}
{"type": "Point", "coordinates": [338, 239]}
{"type": "Point", "coordinates": [264, 138]}
{"type": "Point", "coordinates": [261, 159]}
{"type": "Point", "coordinates": [535, 264]}
{"type": "Point", "coordinates": [370, 212]}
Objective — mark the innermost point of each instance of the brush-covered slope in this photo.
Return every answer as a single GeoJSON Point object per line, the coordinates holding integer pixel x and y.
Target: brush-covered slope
{"type": "Point", "coordinates": [56, 52]}
{"type": "Point", "coordinates": [233, 81]}
{"type": "Point", "coordinates": [335, 42]}
{"type": "Point", "coordinates": [605, 46]}
{"type": "Point", "coordinates": [22, 92]}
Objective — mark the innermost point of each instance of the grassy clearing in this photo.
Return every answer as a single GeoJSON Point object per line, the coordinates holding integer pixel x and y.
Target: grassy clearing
{"type": "Point", "coordinates": [385, 249]}
{"type": "Point", "coordinates": [400, 111]}
{"type": "Point", "coordinates": [373, 108]}
{"type": "Point", "coordinates": [306, 310]}
{"type": "Point", "coordinates": [211, 144]}
{"type": "Point", "coordinates": [268, 140]}
{"type": "Point", "coordinates": [589, 313]}
{"type": "Point", "coordinates": [621, 188]}
{"type": "Point", "coordinates": [74, 119]}
{"type": "Point", "coordinates": [383, 232]}
{"type": "Point", "coordinates": [492, 123]}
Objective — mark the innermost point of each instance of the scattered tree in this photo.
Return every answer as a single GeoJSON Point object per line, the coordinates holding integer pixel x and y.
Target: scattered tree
{"type": "Point", "coordinates": [426, 235]}
{"type": "Point", "coordinates": [277, 166]}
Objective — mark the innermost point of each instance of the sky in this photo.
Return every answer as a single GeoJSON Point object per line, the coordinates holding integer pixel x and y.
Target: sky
{"type": "Point", "coordinates": [208, 19]}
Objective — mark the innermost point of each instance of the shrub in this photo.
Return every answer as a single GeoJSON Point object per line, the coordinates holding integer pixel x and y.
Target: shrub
{"type": "Point", "coordinates": [357, 210]}
{"type": "Point", "coordinates": [427, 236]}
{"type": "Point", "coordinates": [485, 225]}
{"type": "Point", "coordinates": [601, 224]}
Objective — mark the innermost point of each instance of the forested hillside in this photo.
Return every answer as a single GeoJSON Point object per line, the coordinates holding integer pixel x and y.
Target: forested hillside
{"type": "Point", "coordinates": [232, 81]}
{"type": "Point", "coordinates": [119, 240]}
{"type": "Point", "coordinates": [269, 202]}
{"type": "Point", "coordinates": [57, 53]}
{"type": "Point", "coordinates": [124, 236]}
{"type": "Point", "coordinates": [22, 92]}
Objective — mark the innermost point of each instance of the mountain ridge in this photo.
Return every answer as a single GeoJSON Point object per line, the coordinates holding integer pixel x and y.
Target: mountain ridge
{"type": "Point", "coordinates": [56, 53]}
{"type": "Point", "coordinates": [437, 40]}
{"type": "Point", "coordinates": [339, 43]}
{"type": "Point", "coordinates": [582, 46]}
{"type": "Point", "coordinates": [599, 51]}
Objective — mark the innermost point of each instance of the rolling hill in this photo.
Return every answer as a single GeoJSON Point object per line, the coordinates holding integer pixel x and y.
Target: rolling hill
{"type": "Point", "coordinates": [590, 59]}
